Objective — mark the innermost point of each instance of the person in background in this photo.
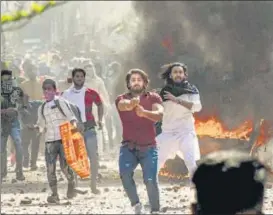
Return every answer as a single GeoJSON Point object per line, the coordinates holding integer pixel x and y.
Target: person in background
{"type": "Point", "coordinates": [112, 122]}
{"type": "Point", "coordinates": [229, 182]}
{"type": "Point", "coordinates": [96, 83]}
{"type": "Point", "coordinates": [32, 86]}
{"type": "Point", "coordinates": [11, 100]}
{"type": "Point", "coordinates": [139, 110]}
{"type": "Point", "coordinates": [50, 117]}
{"type": "Point", "coordinates": [43, 68]}
{"type": "Point", "coordinates": [85, 98]}
{"type": "Point", "coordinates": [17, 79]}
{"type": "Point", "coordinates": [30, 136]}
{"type": "Point", "coordinates": [56, 66]}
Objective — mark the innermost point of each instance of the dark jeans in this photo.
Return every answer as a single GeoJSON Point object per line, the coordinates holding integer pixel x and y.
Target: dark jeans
{"type": "Point", "coordinates": [30, 137]}
{"type": "Point", "coordinates": [147, 158]}
{"type": "Point", "coordinates": [52, 151]}
{"type": "Point", "coordinates": [13, 130]}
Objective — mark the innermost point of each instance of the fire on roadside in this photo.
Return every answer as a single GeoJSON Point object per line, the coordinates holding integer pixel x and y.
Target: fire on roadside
{"type": "Point", "coordinates": [213, 127]}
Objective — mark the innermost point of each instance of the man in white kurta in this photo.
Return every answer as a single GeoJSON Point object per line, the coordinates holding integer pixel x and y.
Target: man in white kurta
{"type": "Point", "coordinates": [181, 100]}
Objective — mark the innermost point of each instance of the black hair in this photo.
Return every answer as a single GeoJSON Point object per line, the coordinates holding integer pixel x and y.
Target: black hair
{"type": "Point", "coordinates": [168, 70]}
{"type": "Point", "coordinates": [75, 70]}
{"type": "Point", "coordinates": [49, 81]}
{"type": "Point", "coordinates": [6, 72]}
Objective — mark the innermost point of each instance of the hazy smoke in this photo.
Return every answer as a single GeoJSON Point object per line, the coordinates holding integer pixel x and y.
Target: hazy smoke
{"type": "Point", "coordinates": [227, 46]}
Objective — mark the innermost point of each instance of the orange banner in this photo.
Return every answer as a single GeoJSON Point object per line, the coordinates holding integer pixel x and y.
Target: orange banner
{"type": "Point", "coordinates": [74, 150]}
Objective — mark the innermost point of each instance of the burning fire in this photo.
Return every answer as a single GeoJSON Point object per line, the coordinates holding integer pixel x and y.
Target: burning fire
{"type": "Point", "coordinates": [214, 128]}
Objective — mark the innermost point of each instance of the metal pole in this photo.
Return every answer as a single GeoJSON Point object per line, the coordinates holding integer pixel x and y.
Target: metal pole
{"type": "Point", "coordinates": [3, 44]}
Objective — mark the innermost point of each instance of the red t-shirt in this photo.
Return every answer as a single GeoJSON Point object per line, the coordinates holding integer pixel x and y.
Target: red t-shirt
{"type": "Point", "coordinates": [139, 130]}
{"type": "Point", "coordinates": [91, 96]}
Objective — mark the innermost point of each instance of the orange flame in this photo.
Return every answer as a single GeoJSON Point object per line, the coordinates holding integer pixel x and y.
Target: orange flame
{"type": "Point", "coordinates": [165, 173]}
{"type": "Point", "coordinates": [213, 127]}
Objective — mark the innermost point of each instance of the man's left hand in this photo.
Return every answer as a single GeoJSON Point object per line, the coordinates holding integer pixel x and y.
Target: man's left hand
{"type": "Point", "coordinates": [140, 111]}
{"type": "Point", "coordinates": [169, 96]}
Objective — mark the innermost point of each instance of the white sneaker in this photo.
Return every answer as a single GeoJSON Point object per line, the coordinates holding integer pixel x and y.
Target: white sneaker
{"type": "Point", "coordinates": [138, 208]}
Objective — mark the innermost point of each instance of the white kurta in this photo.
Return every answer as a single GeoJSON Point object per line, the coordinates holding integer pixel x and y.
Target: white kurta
{"type": "Point", "coordinates": [178, 132]}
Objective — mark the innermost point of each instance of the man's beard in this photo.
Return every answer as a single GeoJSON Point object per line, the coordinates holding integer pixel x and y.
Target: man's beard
{"type": "Point", "coordinates": [178, 80]}
{"type": "Point", "coordinates": [137, 90]}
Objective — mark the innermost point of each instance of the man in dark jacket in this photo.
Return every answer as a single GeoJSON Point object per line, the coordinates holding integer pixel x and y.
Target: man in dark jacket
{"type": "Point", "coordinates": [11, 102]}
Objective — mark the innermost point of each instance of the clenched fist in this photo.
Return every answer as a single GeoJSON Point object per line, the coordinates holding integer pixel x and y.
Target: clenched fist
{"type": "Point", "coordinates": [134, 102]}
{"type": "Point", "coordinates": [140, 111]}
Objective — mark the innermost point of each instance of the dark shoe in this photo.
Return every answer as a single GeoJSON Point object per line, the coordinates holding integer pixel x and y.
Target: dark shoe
{"type": "Point", "coordinates": [95, 191]}
{"type": "Point", "coordinates": [33, 168]}
{"type": "Point", "coordinates": [20, 176]}
{"type": "Point", "coordinates": [71, 193]}
{"type": "Point", "coordinates": [53, 199]}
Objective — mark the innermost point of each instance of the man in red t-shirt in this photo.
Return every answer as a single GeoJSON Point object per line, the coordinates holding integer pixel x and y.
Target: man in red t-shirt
{"type": "Point", "coordinates": [84, 98]}
{"type": "Point", "coordinates": [138, 111]}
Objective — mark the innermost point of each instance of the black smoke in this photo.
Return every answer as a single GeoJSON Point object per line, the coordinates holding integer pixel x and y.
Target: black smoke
{"type": "Point", "coordinates": [230, 44]}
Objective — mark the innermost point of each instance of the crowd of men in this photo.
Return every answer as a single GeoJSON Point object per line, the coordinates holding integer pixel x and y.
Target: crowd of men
{"type": "Point", "coordinates": [139, 110]}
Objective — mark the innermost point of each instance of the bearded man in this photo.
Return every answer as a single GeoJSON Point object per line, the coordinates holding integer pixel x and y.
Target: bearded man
{"type": "Point", "coordinates": [180, 100]}
{"type": "Point", "coordinates": [139, 110]}
{"type": "Point", "coordinates": [85, 98]}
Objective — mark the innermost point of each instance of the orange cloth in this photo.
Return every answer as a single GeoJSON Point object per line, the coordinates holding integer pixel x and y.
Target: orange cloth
{"type": "Point", "coordinates": [74, 150]}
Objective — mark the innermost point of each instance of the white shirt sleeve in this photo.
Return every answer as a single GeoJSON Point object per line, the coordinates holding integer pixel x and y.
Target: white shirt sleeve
{"type": "Point", "coordinates": [41, 121]}
{"type": "Point", "coordinates": [195, 99]}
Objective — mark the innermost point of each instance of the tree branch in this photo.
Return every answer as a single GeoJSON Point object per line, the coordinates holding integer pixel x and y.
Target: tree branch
{"type": "Point", "coordinates": [22, 15]}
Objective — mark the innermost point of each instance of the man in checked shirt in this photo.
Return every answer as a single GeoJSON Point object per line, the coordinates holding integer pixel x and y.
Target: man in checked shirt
{"type": "Point", "coordinates": [49, 119]}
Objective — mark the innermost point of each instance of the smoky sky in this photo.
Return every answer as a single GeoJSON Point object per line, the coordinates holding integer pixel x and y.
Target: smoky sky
{"type": "Point", "coordinates": [226, 44]}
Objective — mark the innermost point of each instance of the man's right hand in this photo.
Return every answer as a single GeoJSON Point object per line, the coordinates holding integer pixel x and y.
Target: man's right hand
{"type": "Point", "coordinates": [134, 102]}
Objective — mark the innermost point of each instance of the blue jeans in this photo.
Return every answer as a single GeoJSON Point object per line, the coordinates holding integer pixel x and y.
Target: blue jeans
{"type": "Point", "coordinates": [128, 161]}
{"type": "Point", "coordinates": [91, 144]}
{"type": "Point", "coordinates": [14, 131]}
